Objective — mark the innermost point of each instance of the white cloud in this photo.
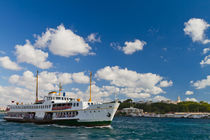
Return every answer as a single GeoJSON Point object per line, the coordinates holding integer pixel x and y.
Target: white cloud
{"type": "Point", "coordinates": [189, 92]}
{"type": "Point", "coordinates": [135, 92]}
{"type": "Point", "coordinates": [48, 80]}
{"type": "Point", "coordinates": [65, 78]}
{"type": "Point", "coordinates": [196, 28]}
{"type": "Point", "coordinates": [191, 99]}
{"type": "Point", "coordinates": [80, 77]}
{"type": "Point", "coordinates": [98, 93]}
{"type": "Point", "coordinates": [200, 84]}
{"type": "Point", "coordinates": [166, 83]}
{"type": "Point", "coordinates": [77, 59]}
{"type": "Point", "coordinates": [131, 47]}
{"type": "Point", "coordinates": [160, 98]}
{"type": "Point", "coordinates": [93, 38]}
{"type": "Point", "coordinates": [206, 61]}
{"type": "Point", "coordinates": [63, 42]}
{"type": "Point", "coordinates": [131, 83]}
{"type": "Point", "coordinates": [17, 94]}
{"type": "Point", "coordinates": [206, 50]}
{"type": "Point", "coordinates": [28, 54]}
{"type": "Point", "coordinates": [6, 63]}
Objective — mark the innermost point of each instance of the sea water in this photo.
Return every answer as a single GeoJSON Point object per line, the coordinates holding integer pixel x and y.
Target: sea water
{"type": "Point", "coordinates": [122, 128]}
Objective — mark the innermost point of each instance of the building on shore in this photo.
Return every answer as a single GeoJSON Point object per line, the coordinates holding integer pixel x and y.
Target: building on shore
{"type": "Point", "coordinates": [131, 111]}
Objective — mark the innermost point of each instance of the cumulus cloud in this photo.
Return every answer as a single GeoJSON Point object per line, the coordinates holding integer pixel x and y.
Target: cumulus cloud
{"type": "Point", "coordinates": [63, 42]}
{"type": "Point", "coordinates": [166, 83]}
{"type": "Point", "coordinates": [200, 84]}
{"type": "Point", "coordinates": [206, 61]}
{"type": "Point", "coordinates": [77, 59]}
{"type": "Point", "coordinates": [93, 38]}
{"type": "Point", "coordinates": [206, 50]}
{"type": "Point", "coordinates": [47, 80]}
{"type": "Point", "coordinates": [191, 99]}
{"type": "Point", "coordinates": [131, 83]}
{"type": "Point", "coordinates": [189, 92]}
{"type": "Point", "coordinates": [98, 93]}
{"type": "Point", "coordinates": [196, 28]}
{"type": "Point", "coordinates": [15, 94]}
{"type": "Point", "coordinates": [28, 54]}
{"type": "Point", "coordinates": [80, 77]}
{"type": "Point", "coordinates": [160, 98]}
{"type": "Point", "coordinates": [6, 63]}
{"type": "Point", "coordinates": [135, 92]}
{"type": "Point", "coordinates": [131, 47]}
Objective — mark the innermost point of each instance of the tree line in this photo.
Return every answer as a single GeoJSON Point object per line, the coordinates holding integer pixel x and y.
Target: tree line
{"type": "Point", "coordinates": [161, 107]}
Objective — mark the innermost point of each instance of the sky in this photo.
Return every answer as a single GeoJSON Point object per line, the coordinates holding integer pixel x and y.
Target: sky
{"type": "Point", "coordinates": [139, 49]}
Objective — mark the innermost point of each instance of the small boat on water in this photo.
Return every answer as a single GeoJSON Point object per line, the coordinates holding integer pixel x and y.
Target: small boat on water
{"type": "Point", "coordinates": [60, 109]}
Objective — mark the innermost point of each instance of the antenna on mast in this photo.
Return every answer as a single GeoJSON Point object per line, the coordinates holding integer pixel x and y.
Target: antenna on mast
{"type": "Point", "coordinates": [90, 85]}
{"type": "Point", "coordinates": [37, 73]}
{"type": "Point", "coordinates": [60, 89]}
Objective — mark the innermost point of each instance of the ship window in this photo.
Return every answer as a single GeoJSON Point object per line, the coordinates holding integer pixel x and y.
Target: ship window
{"type": "Point", "coordinates": [57, 98]}
{"type": "Point", "coordinates": [77, 104]}
{"type": "Point", "coordinates": [91, 103]}
{"type": "Point", "coordinates": [88, 103]}
{"type": "Point", "coordinates": [74, 104]}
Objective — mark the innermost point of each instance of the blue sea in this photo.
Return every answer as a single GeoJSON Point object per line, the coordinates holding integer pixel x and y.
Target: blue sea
{"type": "Point", "coordinates": [122, 128]}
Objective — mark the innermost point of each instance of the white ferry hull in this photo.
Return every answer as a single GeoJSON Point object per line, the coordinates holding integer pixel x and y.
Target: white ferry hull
{"type": "Point", "coordinates": [95, 115]}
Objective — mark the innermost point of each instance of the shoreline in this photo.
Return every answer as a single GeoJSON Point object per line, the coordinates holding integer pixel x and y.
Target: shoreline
{"type": "Point", "coordinates": [189, 115]}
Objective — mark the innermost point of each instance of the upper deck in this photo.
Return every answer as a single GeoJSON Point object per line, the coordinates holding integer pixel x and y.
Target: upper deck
{"type": "Point", "coordinates": [51, 103]}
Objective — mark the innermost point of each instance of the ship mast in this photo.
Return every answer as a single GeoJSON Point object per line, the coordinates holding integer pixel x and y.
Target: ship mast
{"type": "Point", "coordinates": [37, 87]}
{"type": "Point", "coordinates": [90, 85]}
{"type": "Point", "coordinates": [60, 89]}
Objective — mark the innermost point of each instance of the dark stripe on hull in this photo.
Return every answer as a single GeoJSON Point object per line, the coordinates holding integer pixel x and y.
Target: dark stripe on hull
{"type": "Point", "coordinates": [76, 123]}
{"type": "Point", "coordinates": [72, 122]}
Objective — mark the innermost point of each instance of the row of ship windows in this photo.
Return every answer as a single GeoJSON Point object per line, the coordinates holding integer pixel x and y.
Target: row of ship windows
{"type": "Point", "coordinates": [66, 114]}
{"type": "Point", "coordinates": [59, 98]}
{"type": "Point", "coordinates": [66, 104]}
{"type": "Point", "coordinates": [31, 107]}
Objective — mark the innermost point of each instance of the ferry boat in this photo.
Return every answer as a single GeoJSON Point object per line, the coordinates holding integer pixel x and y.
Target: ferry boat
{"type": "Point", "coordinates": [60, 109]}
